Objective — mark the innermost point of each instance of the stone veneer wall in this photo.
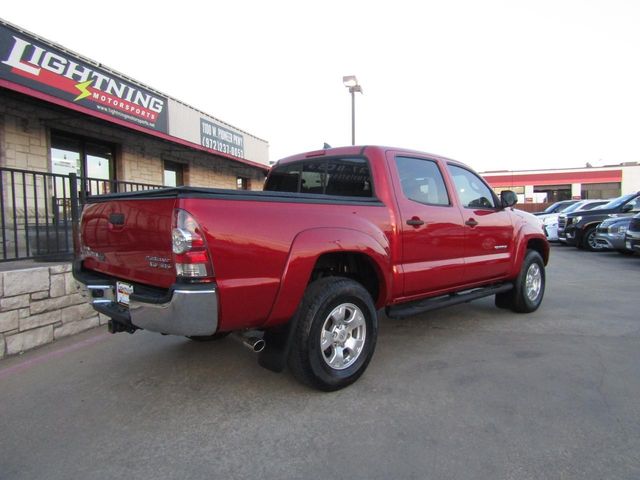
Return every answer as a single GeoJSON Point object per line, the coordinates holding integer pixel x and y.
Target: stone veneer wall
{"type": "Point", "coordinates": [39, 305]}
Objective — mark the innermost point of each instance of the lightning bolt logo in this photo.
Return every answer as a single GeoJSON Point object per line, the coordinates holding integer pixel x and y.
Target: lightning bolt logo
{"type": "Point", "coordinates": [83, 88]}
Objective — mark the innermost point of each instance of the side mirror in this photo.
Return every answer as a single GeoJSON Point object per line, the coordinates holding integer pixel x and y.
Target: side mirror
{"type": "Point", "coordinates": [627, 208]}
{"type": "Point", "coordinates": [508, 198]}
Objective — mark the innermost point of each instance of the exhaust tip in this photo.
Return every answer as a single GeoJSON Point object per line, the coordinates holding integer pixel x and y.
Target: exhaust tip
{"type": "Point", "coordinates": [252, 340]}
{"type": "Point", "coordinates": [259, 345]}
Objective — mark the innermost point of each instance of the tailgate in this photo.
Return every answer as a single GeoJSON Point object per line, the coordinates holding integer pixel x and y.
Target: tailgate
{"type": "Point", "coordinates": [130, 239]}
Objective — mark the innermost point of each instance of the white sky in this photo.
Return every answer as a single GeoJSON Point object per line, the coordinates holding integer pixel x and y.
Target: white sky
{"type": "Point", "coordinates": [496, 84]}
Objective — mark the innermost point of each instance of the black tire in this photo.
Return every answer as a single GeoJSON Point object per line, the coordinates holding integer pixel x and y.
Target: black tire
{"type": "Point", "coordinates": [210, 338]}
{"type": "Point", "coordinates": [307, 361]}
{"type": "Point", "coordinates": [517, 299]}
{"type": "Point", "coordinates": [589, 240]}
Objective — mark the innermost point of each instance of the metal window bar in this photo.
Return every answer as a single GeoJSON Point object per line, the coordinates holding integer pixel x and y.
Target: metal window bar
{"type": "Point", "coordinates": [13, 212]}
{"type": "Point", "coordinates": [2, 219]}
{"type": "Point", "coordinates": [64, 216]}
{"type": "Point", "coordinates": [37, 220]}
{"type": "Point", "coordinates": [45, 184]}
{"type": "Point", "coordinates": [25, 207]}
{"type": "Point", "coordinates": [56, 214]}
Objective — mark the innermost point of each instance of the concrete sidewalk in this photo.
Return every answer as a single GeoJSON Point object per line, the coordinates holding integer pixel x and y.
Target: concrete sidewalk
{"type": "Point", "coordinates": [472, 392]}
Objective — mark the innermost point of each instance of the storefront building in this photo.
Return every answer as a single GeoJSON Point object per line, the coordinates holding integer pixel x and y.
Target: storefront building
{"type": "Point", "coordinates": [62, 114]}
{"type": "Point", "coordinates": [548, 186]}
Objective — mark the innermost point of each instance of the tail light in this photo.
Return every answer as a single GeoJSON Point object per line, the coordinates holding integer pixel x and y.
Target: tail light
{"type": "Point", "coordinates": [190, 252]}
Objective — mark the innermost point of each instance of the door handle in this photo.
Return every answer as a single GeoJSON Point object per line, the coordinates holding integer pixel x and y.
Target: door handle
{"type": "Point", "coordinates": [471, 222]}
{"type": "Point", "coordinates": [415, 222]}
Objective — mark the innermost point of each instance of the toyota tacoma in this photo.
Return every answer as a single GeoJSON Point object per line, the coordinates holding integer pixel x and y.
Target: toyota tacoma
{"type": "Point", "coordinates": [301, 269]}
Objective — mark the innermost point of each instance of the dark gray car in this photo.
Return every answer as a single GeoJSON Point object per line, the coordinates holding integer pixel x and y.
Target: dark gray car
{"type": "Point", "coordinates": [611, 232]}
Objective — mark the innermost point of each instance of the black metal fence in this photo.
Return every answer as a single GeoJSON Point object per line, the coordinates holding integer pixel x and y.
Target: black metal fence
{"type": "Point", "coordinates": [38, 211]}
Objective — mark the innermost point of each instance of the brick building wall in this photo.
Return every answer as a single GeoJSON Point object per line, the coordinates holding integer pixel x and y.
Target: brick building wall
{"type": "Point", "coordinates": [25, 126]}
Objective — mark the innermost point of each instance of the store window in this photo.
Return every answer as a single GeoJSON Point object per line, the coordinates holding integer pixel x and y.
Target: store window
{"type": "Point", "coordinates": [173, 174]}
{"type": "Point", "coordinates": [551, 193]}
{"type": "Point", "coordinates": [88, 158]}
{"type": "Point", "coordinates": [600, 190]}
{"type": "Point", "coordinates": [242, 183]}
{"type": "Point", "coordinates": [517, 190]}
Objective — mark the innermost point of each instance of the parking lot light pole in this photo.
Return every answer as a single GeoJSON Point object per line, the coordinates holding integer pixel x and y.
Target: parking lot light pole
{"type": "Point", "coordinates": [351, 82]}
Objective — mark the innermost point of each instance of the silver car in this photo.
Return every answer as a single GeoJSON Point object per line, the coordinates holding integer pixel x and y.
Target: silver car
{"type": "Point", "coordinates": [611, 232]}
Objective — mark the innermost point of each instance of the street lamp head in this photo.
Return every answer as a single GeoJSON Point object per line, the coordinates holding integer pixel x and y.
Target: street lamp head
{"type": "Point", "coordinates": [350, 81]}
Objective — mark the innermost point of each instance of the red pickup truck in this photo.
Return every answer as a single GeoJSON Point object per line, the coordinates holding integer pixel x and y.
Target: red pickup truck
{"type": "Point", "coordinates": [303, 267]}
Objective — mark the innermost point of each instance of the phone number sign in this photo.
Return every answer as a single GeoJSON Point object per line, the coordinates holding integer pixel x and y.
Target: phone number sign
{"type": "Point", "coordinates": [215, 137]}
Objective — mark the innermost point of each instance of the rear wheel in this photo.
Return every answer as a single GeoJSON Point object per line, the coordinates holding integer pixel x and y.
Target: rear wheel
{"type": "Point", "coordinates": [528, 289]}
{"type": "Point", "coordinates": [336, 328]}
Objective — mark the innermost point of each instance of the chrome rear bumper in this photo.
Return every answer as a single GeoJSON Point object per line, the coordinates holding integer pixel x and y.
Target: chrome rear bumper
{"type": "Point", "coordinates": [187, 310]}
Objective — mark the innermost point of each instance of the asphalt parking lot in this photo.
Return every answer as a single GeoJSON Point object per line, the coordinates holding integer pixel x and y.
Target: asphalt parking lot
{"type": "Point", "coordinates": [471, 392]}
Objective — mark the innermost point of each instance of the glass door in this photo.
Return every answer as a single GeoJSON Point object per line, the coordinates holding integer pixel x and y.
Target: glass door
{"type": "Point", "coordinates": [99, 167]}
{"type": "Point", "coordinates": [93, 160]}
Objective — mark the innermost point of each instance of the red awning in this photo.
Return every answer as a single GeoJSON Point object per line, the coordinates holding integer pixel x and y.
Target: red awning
{"type": "Point", "coordinates": [553, 178]}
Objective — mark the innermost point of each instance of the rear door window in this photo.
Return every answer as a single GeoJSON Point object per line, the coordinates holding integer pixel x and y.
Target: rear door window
{"type": "Point", "coordinates": [422, 181]}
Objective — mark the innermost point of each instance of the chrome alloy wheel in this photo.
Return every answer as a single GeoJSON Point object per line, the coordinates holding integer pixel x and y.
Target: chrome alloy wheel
{"type": "Point", "coordinates": [533, 282]}
{"type": "Point", "coordinates": [591, 240]}
{"type": "Point", "coordinates": [342, 336]}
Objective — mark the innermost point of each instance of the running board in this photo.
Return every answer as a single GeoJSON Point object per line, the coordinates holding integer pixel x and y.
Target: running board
{"type": "Point", "coordinates": [420, 306]}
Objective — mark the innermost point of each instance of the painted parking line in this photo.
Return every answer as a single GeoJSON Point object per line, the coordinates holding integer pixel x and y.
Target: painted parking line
{"type": "Point", "coordinates": [32, 362]}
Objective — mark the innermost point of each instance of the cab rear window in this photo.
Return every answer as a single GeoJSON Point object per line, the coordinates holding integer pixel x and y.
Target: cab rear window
{"type": "Point", "coordinates": [345, 177]}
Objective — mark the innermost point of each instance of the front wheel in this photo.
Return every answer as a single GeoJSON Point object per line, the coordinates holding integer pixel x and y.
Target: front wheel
{"type": "Point", "coordinates": [528, 289]}
{"type": "Point", "coordinates": [336, 328]}
{"type": "Point", "coordinates": [589, 240]}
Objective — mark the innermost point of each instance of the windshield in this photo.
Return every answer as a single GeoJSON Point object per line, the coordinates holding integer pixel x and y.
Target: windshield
{"type": "Point", "coordinates": [616, 202]}
{"type": "Point", "coordinates": [601, 206]}
{"type": "Point", "coordinates": [565, 208]}
{"type": "Point", "coordinates": [593, 205]}
{"type": "Point", "coordinates": [573, 208]}
{"type": "Point", "coordinates": [553, 208]}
